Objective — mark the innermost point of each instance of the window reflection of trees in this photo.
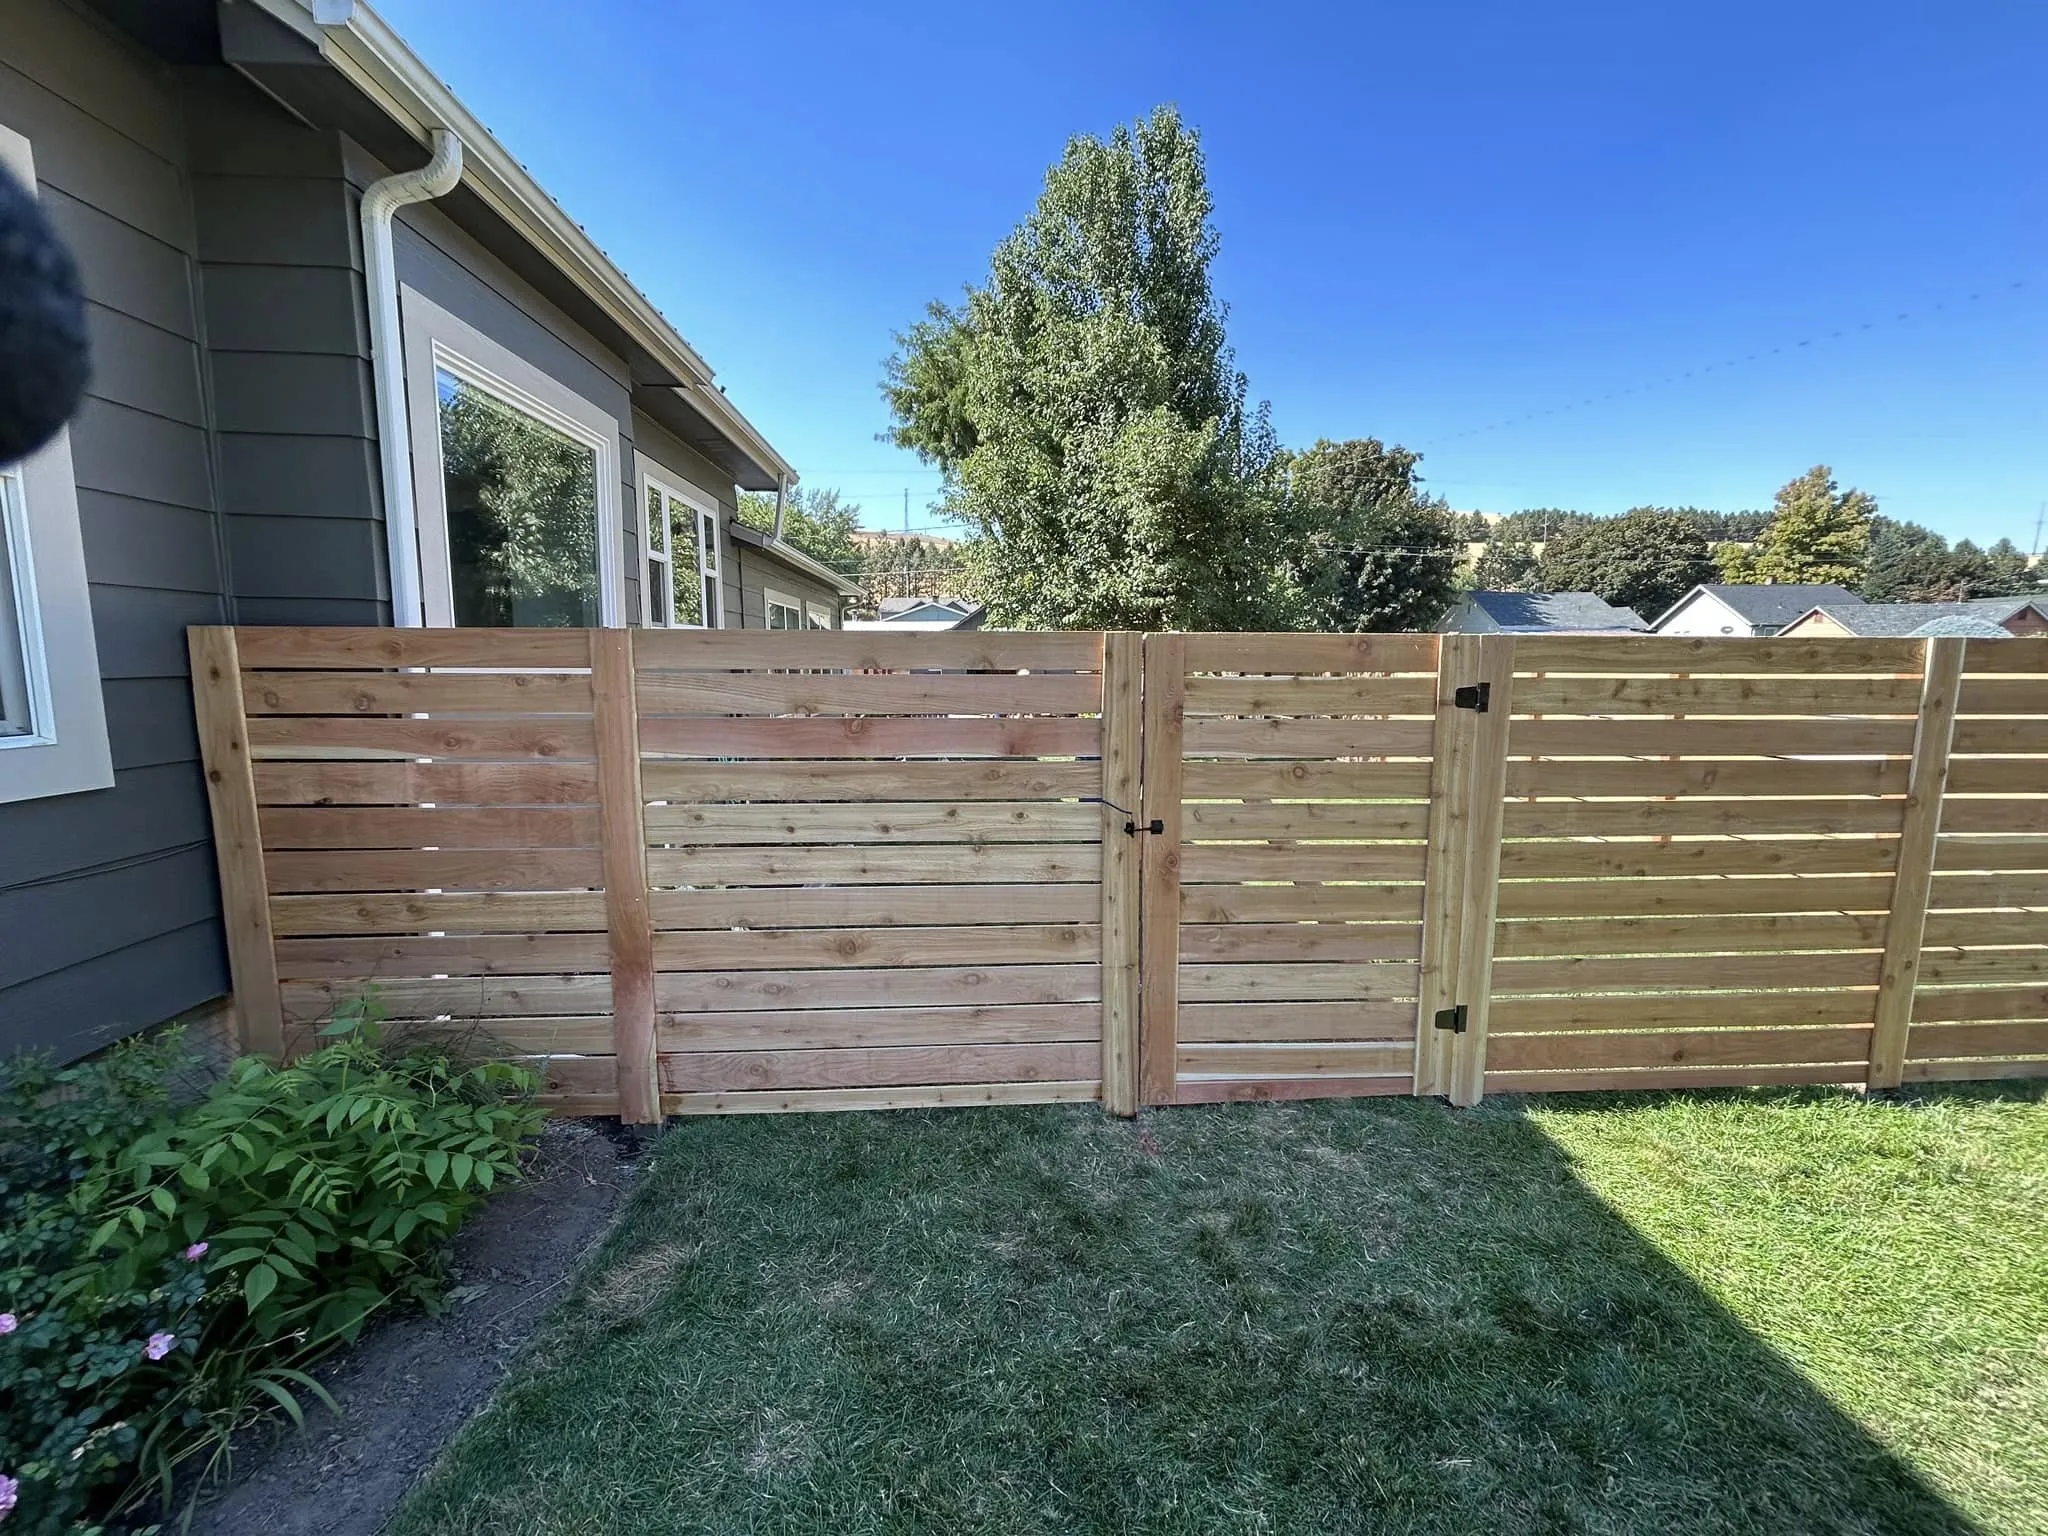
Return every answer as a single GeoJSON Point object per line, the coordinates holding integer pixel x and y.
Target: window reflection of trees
{"type": "Point", "coordinates": [522, 515]}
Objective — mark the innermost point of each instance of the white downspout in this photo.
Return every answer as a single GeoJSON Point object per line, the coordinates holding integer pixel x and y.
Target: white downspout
{"type": "Point", "coordinates": [382, 199]}
{"type": "Point", "coordinates": [781, 495]}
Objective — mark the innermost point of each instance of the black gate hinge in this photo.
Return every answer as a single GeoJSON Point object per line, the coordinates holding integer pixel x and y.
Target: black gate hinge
{"type": "Point", "coordinates": [1452, 1019]}
{"type": "Point", "coordinates": [1473, 698]}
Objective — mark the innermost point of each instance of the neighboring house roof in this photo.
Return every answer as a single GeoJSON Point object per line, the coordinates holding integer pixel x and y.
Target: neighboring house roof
{"type": "Point", "coordinates": [790, 555]}
{"type": "Point", "coordinates": [924, 614]}
{"type": "Point", "coordinates": [1968, 624]}
{"type": "Point", "coordinates": [398, 88]}
{"type": "Point", "coordinates": [926, 607]}
{"type": "Point", "coordinates": [1769, 605]}
{"type": "Point", "coordinates": [1909, 618]}
{"type": "Point", "coordinates": [1535, 612]}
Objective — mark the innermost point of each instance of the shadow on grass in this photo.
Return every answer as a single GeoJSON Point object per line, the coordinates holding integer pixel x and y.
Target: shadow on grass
{"type": "Point", "coordinates": [1372, 1316]}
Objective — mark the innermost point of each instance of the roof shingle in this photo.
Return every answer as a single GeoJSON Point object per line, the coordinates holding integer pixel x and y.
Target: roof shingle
{"type": "Point", "coordinates": [1780, 605]}
{"type": "Point", "coordinates": [1554, 610]}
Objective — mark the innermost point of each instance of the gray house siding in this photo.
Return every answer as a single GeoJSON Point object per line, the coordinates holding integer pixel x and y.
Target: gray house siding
{"type": "Point", "coordinates": [295, 426]}
{"type": "Point", "coordinates": [759, 570]}
{"type": "Point", "coordinates": [227, 463]}
{"type": "Point", "coordinates": [108, 905]}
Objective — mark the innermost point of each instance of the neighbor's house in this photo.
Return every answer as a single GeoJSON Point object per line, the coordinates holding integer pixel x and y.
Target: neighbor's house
{"type": "Point", "coordinates": [321, 395]}
{"type": "Point", "coordinates": [924, 614]}
{"type": "Point", "coordinates": [1747, 610]}
{"type": "Point", "coordinates": [1538, 613]}
{"type": "Point", "coordinates": [2009, 615]}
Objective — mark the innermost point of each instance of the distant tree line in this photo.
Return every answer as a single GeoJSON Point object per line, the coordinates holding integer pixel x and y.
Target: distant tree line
{"type": "Point", "coordinates": [1912, 564]}
{"type": "Point", "coordinates": [1538, 524]}
{"type": "Point", "coordinates": [1816, 532]}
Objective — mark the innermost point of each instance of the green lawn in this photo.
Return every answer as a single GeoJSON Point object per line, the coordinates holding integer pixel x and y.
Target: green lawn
{"type": "Point", "coordinates": [1781, 1311]}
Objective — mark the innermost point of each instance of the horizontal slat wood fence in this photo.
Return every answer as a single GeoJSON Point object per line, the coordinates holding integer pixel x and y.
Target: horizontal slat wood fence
{"type": "Point", "coordinates": [691, 872]}
{"type": "Point", "coordinates": [695, 872]}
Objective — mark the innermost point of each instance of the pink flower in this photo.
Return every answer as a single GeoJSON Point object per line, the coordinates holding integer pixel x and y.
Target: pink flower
{"type": "Point", "coordinates": [8, 1323]}
{"type": "Point", "coordinates": [159, 1345]}
{"type": "Point", "coordinates": [196, 1251]}
{"type": "Point", "coordinates": [10, 1490]}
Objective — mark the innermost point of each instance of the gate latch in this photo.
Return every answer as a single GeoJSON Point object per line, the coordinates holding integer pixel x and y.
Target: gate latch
{"type": "Point", "coordinates": [1473, 698]}
{"type": "Point", "coordinates": [1452, 1019]}
{"type": "Point", "coordinates": [1155, 826]}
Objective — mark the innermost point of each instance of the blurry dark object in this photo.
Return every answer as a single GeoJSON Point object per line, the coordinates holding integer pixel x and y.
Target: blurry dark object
{"type": "Point", "coordinates": [44, 360]}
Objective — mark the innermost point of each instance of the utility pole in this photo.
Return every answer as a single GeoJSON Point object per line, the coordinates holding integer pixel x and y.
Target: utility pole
{"type": "Point", "coordinates": [2040, 516]}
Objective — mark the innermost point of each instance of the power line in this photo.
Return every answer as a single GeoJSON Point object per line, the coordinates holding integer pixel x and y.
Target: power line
{"type": "Point", "coordinates": [1725, 364]}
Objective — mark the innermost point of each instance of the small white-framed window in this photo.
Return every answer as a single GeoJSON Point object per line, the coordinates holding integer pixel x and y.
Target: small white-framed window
{"type": "Point", "coordinates": [516, 478]}
{"type": "Point", "coordinates": [53, 726]}
{"type": "Point", "coordinates": [683, 587]}
{"type": "Point", "coordinates": [818, 616]}
{"type": "Point", "coordinates": [782, 610]}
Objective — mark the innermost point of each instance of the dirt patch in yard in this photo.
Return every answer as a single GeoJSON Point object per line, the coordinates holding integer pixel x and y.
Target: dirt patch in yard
{"type": "Point", "coordinates": [409, 1384]}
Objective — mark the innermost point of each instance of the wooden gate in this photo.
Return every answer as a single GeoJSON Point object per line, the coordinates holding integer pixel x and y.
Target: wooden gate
{"type": "Point", "coordinates": [876, 866]}
{"type": "Point", "coordinates": [1290, 792]}
{"type": "Point", "coordinates": [1518, 864]}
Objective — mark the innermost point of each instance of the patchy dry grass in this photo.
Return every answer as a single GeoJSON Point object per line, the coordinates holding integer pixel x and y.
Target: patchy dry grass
{"type": "Point", "coordinates": [1774, 1311]}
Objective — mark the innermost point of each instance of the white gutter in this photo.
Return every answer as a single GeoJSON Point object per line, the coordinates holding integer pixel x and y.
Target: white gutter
{"type": "Point", "coordinates": [381, 199]}
{"type": "Point", "coordinates": [365, 50]}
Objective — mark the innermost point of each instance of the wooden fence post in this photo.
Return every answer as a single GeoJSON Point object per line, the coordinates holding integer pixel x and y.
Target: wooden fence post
{"type": "Point", "coordinates": [1487, 780]}
{"type": "Point", "coordinates": [1447, 862]}
{"type": "Point", "coordinates": [1941, 674]}
{"type": "Point", "coordinates": [1165, 666]}
{"type": "Point", "coordinates": [1123, 657]}
{"type": "Point", "coordinates": [237, 837]}
{"type": "Point", "coordinates": [628, 921]}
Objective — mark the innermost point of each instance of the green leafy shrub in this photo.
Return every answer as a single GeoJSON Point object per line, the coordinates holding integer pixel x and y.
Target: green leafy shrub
{"type": "Point", "coordinates": [172, 1271]}
{"type": "Point", "coordinates": [70, 1374]}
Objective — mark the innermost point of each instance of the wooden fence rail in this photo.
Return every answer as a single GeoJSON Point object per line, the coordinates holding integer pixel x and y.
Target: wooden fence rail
{"type": "Point", "coordinates": [692, 872]}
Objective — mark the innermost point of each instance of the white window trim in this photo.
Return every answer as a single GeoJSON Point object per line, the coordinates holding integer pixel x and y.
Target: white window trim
{"type": "Point", "coordinates": [770, 598]}
{"type": "Point", "coordinates": [65, 750]}
{"type": "Point", "coordinates": [712, 567]}
{"type": "Point", "coordinates": [435, 340]}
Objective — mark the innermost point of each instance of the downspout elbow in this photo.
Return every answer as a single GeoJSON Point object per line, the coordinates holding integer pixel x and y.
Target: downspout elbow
{"type": "Point", "coordinates": [381, 200]}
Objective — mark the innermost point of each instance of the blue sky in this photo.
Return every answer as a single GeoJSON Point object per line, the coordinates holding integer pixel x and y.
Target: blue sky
{"type": "Point", "coordinates": [1537, 241]}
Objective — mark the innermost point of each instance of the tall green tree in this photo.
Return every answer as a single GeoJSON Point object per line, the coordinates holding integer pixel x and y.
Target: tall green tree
{"type": "Point", "coordinates": [1908, 564]}
{"type": "Point", "coordinates": [1372, 551]}
{"type": "Point", "coordinates": [1737, 563]}
{"type": "Point", "coordinates": [1645, 559]}
{"type": "Point", "coordinates": [2006, 573]}
{"type": "Point", "coordinates": [1818, 532]}
{"type": "Point", "coordinates": [1085, 408]}
{"type": "Point", "coordinates": [1510, 564]}
{"type": "Point", "coordinates": [1912, 564]}
{"type": "Point", "coordinates": [819, 522]}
